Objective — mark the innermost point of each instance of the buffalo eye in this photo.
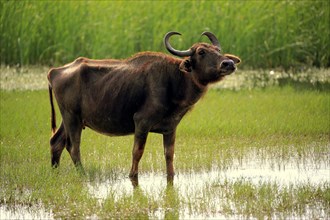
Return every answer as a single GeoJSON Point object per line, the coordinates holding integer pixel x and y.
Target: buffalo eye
{"type": "Point", "coordinates": [201, 52]}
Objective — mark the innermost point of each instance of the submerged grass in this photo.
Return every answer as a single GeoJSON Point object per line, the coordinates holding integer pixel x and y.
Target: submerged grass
{"type": "Point", "coordinates": [280, 124]}
{"type": "Point", "coordinates": [269, 199]}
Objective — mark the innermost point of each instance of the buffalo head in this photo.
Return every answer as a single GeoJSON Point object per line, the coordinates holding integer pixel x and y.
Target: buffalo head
{"type": "Point", "coordinates": [203, 60]}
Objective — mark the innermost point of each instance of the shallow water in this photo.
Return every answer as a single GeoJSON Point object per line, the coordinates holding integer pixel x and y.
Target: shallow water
{"type": "Point", "coordinates": [186, 183]}
{"type": "Point", "coordinates": [191, 186]}
{"type": "Point", "coordinates": [25, 212]}
{"type": "Point", "coordinates": [29, 78]}
{"type": "Point", "coordinates": [283, 175]}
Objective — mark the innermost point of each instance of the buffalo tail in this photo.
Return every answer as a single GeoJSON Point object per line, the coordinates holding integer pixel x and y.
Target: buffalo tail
{"type": "Point", "coordinates": [53, 116]}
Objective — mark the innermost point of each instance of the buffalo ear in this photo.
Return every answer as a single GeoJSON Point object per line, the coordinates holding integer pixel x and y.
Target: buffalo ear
{"type": "Point", "coordinates": [185, 65]}
{"type": "Point", "coordinates": [234, 58]}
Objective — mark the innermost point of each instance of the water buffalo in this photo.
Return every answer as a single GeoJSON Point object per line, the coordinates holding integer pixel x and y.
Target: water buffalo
{"type": "Point", "coordinates": [149, 92]}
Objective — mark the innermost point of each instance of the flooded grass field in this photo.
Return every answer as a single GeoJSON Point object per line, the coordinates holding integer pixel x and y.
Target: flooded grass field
{"type": "Point", "coordinates": [249, 149]}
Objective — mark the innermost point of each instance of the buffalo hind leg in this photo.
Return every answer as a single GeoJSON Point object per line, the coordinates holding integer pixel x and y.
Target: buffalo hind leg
{"type": "Point", "coordinates": [57, 144]}
{"type": "Point", "coordinates": [169, 140]}
{"type": "Point", "coordinates": [138, 149]}
{"type": "Point", "coordinates": [73, 127]}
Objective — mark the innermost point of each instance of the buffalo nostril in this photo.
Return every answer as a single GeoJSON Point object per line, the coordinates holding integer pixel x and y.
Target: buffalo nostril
{"type": "Point", "coordinates": [227, 63]}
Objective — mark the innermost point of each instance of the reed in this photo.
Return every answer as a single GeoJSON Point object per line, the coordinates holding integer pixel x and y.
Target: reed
{"type": "Point", "coordinates": [265, 34]}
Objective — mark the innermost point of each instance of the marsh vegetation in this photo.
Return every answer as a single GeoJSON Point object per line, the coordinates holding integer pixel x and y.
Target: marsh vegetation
{"type": "Point", "coordinates": [256, 146]}
{"type": "Point", "coordinates": [242, 152]}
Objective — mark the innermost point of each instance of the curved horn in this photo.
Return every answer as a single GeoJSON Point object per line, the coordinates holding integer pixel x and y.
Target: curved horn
{"type": "Point", "coordinates": [172, 50]}
{"type": "Point", "coordinates": [212, 38]}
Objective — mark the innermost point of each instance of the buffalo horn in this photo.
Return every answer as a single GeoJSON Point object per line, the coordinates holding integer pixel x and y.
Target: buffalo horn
{"type": "Point", "coordinates": [212, 38]}
{"type": "Point", "coordinates": [172, 50]}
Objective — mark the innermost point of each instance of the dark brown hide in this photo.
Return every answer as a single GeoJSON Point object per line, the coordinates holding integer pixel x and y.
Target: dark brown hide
{"type": "Point", "coordinates": [149, 92]}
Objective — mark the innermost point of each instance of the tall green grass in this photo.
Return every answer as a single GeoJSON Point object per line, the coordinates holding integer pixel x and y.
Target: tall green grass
{"type": "Point", "coordinates": [265, 34]}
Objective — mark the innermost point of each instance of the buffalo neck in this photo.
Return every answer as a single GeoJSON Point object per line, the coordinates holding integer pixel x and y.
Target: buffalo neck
{"type": "Point", "coordinates": [193, 89]}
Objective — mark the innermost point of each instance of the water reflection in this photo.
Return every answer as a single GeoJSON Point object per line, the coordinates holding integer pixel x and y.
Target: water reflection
{"type": "Point", "coordinates": [179, 200]}
{"type": "Point", "coordinates": [189, 187]}
{"type": "Point", "coordinates": [285, 174]}
{"type": "Point", "coordinates": [25, 212]}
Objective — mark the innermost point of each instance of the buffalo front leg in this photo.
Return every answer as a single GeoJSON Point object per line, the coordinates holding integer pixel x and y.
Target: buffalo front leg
{"type": "Point", "coordinates": [169, 141]}
{"type": "Point", "coordinates": [148, 116]}
{"type": "Point", "coordinates": [138, 149]}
